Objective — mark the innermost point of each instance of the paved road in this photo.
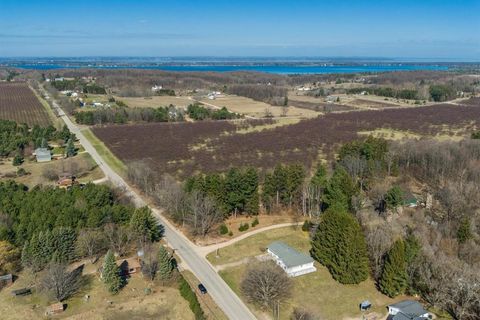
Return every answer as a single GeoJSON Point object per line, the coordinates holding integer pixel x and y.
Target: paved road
{"type": "Point", "coordinates": [221, 293]}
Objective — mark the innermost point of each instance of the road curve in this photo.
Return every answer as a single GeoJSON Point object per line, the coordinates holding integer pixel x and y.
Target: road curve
{"type": "Point", "coordinates": [221, 293]}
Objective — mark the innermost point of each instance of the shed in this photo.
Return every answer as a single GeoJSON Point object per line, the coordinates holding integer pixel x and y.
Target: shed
{"type": "Point", "coordinates": [129, 266]}
{"type": "Point", "coordinates": [43, 155]}
{"type": "Point", "coordinates": [6, 280]}
{"type": "Point", "coordinates": [55, 308]}
{"type": "Point", "coordinates": [21, 292]}
{"type": "Point", "coordinates": [292, 261]}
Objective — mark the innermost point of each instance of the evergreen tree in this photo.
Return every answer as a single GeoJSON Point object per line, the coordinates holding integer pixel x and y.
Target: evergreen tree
{"type": "Point", "coordinates": [394, 197]}
{"type": "Point", "coordinates": [165, 265]}
{"type": "Point", "coordinates": [250, 190]}
{"type": "Point", "coordinates": [145, 226]}
{"type": "Point", "coordinates": [464, 231]}
{"type": "Point", "coordinates": [394, 276]}
{"type": "Point", "coordinates": [64, 244]}
{"type": "Point", "coordinates": [110, 274]}
{"type": "Point", "coordinates": [340, 189]}
{"type": "Point", "coordinates": [339, 245]}
{"type": "Point", "coordinates": [17, 160]}
{"type": "Point", "coordinates": [70, 149]}
{"type": "Point", "coordinates": [320, 179]}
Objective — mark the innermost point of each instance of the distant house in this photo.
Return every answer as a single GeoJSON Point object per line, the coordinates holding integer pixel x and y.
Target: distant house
{"type": "Point", "coordinates": [407, 310]}
{"type": "Point", "coordinates": [60, 79]}
{"type": "Point", "coordinates": [293, 262]}
{"type": "Point", "coordinates": [156, 88]}
{"type": "Point", "coordinates": [97, 104]}
{"type": "Point", "coordinates": [43, 155]}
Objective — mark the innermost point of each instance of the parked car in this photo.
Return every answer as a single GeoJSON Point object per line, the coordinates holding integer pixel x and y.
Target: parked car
{"type": "Point", "coordinates": [202, 288]}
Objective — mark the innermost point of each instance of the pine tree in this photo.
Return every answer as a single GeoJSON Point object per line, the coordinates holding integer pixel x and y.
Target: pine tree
{"type": "Point", "coordinates": [319, 179]}
{"type": "Point", "coordinates": [340, 189]}
{"type": "Point", "coordinates": [70, 149]}
{"type": "Point", "coordinates": [394, 276]}
{"type": "Point", "coordinates": [145, 226]}
{"type": "Point", "coordinates": [165, 265]}
{"type": "Point", "coordinates": [339, 245]}
{"type": "Point", "coordinates": [110, 274]}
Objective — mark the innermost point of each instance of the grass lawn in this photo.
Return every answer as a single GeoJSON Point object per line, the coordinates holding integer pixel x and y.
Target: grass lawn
{"type": "Point", "coordinates": [256, 244]}
{"type": "Point", "coordinates": [108, 156]}
{"type": "Point", "coordinates": [317, 291]}
{"type": "Point", "coordinates": [131, 303]}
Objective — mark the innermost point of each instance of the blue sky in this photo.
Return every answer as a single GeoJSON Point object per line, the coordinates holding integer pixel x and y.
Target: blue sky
{"type": "Point", "coordinates": [405, 29]}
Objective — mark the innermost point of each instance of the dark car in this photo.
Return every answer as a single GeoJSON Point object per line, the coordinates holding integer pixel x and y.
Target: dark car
{"type": "Point", "coordinates": [202, 288]}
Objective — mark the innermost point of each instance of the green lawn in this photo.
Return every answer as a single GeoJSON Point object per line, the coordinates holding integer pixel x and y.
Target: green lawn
{"type": "Point", "coordinates": [256, 244]}
{"type": "Point", "coordinates": [115, 163]}
{"type": "Point", "coordinates": [317, 291]}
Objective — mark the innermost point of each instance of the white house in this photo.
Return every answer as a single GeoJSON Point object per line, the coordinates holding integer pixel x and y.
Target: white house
{"type": "Point", "coordinates": [407, 310]}
{"type": "Point", "coordinates": [293, 262]}
{"type": "Point", "coordinates": [156, 88]}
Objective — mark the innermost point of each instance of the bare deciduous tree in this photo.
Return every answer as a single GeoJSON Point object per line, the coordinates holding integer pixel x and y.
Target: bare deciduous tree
{"type": "Point", "coordinates": [265, 284]}
{"type": "Point", "coordinates": [61, 283]}
{"type": "Point", "coordinates": [89, 243]}
{"type": "Point", "coordinates": [204, 214]}
{"type": "Point", "coordinates": [118, 238]}
{"type": "Point", "coordinates": [379, 241]}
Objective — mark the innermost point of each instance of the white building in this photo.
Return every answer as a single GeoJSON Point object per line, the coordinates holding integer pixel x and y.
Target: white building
{"type": "Point", "coordinates": [293, 262]}
{"type": "Point", "coordinates": [407, 310]}
{"type": "Point", "coordinates": [156, 88]}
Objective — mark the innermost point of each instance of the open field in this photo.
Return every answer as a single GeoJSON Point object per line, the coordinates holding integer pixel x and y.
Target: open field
{"type": "Point", "coordinates": [81, 165]}
{"type": "Point", "coordinates": [130, 303]}
{"type": "Point", "coordinates": [317, 291]}
{"type": "Point", "coordinates": [257, 109]}
{"type": "Point", "coordinates": [185, 148]}
{"type": "Point", "coordinates": [19, 103]}
{"type": "Point", "coordinates": [155, 101]}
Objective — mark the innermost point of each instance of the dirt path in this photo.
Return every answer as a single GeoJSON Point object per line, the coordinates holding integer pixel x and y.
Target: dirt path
{"type": "Point", "coordinates": [210, 248]}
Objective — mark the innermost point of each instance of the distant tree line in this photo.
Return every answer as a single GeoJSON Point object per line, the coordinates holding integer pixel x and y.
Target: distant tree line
{"type": "Point", "coordinates": [386, 92]}
{"type": "Point", "coordinates": [197, 111]}
{"type": "Point", "coordinates": [267, 93]}
{"type": "Point", "coordinates": [123, 115]}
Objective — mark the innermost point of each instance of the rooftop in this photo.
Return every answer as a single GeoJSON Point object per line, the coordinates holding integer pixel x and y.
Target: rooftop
{"type": "Point", "coordinates": [289, 256]}
{"type": "Point", "coordinates": [410, 309]}
{"type": "Point", "coordinates": [42, 152]}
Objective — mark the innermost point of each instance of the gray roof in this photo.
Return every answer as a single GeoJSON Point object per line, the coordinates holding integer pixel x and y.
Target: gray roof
{"type": "Point", "coordinates": [39, 152]}
{"type": "Point", "coordinates": [409, 309]}
{"type": "Point", "coordinates": [289, 256]}
{"type": "Point", "coordinates": [6, 277]}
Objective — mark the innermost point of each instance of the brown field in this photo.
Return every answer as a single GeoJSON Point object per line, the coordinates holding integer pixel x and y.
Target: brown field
{"type": "Point", "coordinates": [19, 103]}
{"type": "Point", "coordinates": [185, 148]}
{"type": "Point", "coordinates": [257, 109]}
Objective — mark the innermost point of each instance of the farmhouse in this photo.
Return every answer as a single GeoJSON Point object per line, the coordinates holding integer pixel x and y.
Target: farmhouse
{"type": "Point", "coordinates": [407, 310]}
{"type": "Point", "coordinates": [43, 155]}
{"type": "Point", "coordinates": [293, 262]}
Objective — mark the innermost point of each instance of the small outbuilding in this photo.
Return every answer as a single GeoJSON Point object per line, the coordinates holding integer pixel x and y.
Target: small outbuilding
{"type": "Point", "coordinates": [21, 292]}
{"type": "Point", "coordinates": [55, 308]}
{"type": "Point", "coordinates": [292, 261]}
{"type": "Point", "coordinates": [129, 266]}
{"type": "Point", "coordinates": [407, 310]}
{"type": "Point", "coordinates": [43, 155]}
{"type": "Point", "coordinates": [6, 280]}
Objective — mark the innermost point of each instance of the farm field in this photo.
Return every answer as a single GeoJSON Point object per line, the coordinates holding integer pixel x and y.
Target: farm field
{"type": "Point", "coordinates": [186, 148]}
{"type": "Point", "coordinates": [317, 291]}
{"type": "Point", "coordinates": [19, 103]}
{"type": "Point", "coordinates": [257, 109]}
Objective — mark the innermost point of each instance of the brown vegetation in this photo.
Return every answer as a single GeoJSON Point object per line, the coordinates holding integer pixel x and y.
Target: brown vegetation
{"type": "Point", "coordinates": [19, 103]}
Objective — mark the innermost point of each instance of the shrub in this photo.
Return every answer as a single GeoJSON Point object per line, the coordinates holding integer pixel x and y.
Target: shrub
{"type": "Point", "coordinates": [255, 222]}
{"type": "Point", "coordinates": [223, 229]}
{"type": "Point", "coordinates": [188, 294]}
{"type": "Point", "coordinates": [21, 172]}
{"type": "Point", "coordinates": [230, 234]}
{"type": "Point", "coordinates": [17, 160]}
{"type": "Point", "coordinates": [306, 225]}
{"type": "Point", "coordinates": [243, 227]}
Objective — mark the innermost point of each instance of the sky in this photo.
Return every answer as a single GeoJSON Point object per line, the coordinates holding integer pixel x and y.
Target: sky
{"type": "Point", "coordinates": [429, 29]}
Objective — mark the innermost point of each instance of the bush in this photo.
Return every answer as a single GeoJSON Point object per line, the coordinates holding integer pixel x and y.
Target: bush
{"type": "Point", "coordinates": [223, 229]}
{"type": "Point", "coordinates": [230, 234]}
{"type": "Point", "coordinates": [243, 227]}
{"type": "Point", "coordinates": [475, 135]}
{"type": "Point", "coordinates": [255, 222]}
{"type": "Point", "coordinates": [50, 174]}
{"type": "Point", "coordinates": [188, 294]}
{"type": "Point", "coordinates": [17, 160]}
{"type": "Point", "coordinates": [21, 172]}
{"type": "Point", "coordinates": [306, 225]}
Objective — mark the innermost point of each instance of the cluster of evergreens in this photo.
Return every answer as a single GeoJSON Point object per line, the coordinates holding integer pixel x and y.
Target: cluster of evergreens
{"type": "Point", "coordinates": [15, 137]}
{"type": "Point", "coordinates": [94, 89]}
{"type": "Point", "coordinates": [440, 92]}
{"type": "Point", "coordinates": [386, 92]}
{"type": "Point", "coordinates": [197, 111]}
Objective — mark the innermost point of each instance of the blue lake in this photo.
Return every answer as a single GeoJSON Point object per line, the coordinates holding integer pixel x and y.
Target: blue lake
{"type": "Point", "coordinates": [278, 69]}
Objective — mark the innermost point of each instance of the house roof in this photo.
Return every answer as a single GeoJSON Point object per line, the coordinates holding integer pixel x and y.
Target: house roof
{"type": "Point", "coordinates": [39, 152]}
{"type": "Point", "coordinates": [6, 277]}
{"type": "Point", "coordinates": [289, 256]}
{"type": "Point", "coordinates": [409, 310]}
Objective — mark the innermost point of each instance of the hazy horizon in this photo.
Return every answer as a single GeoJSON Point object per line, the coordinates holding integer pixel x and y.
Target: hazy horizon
{"type": "Point", "coordinates": [435, 30]}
